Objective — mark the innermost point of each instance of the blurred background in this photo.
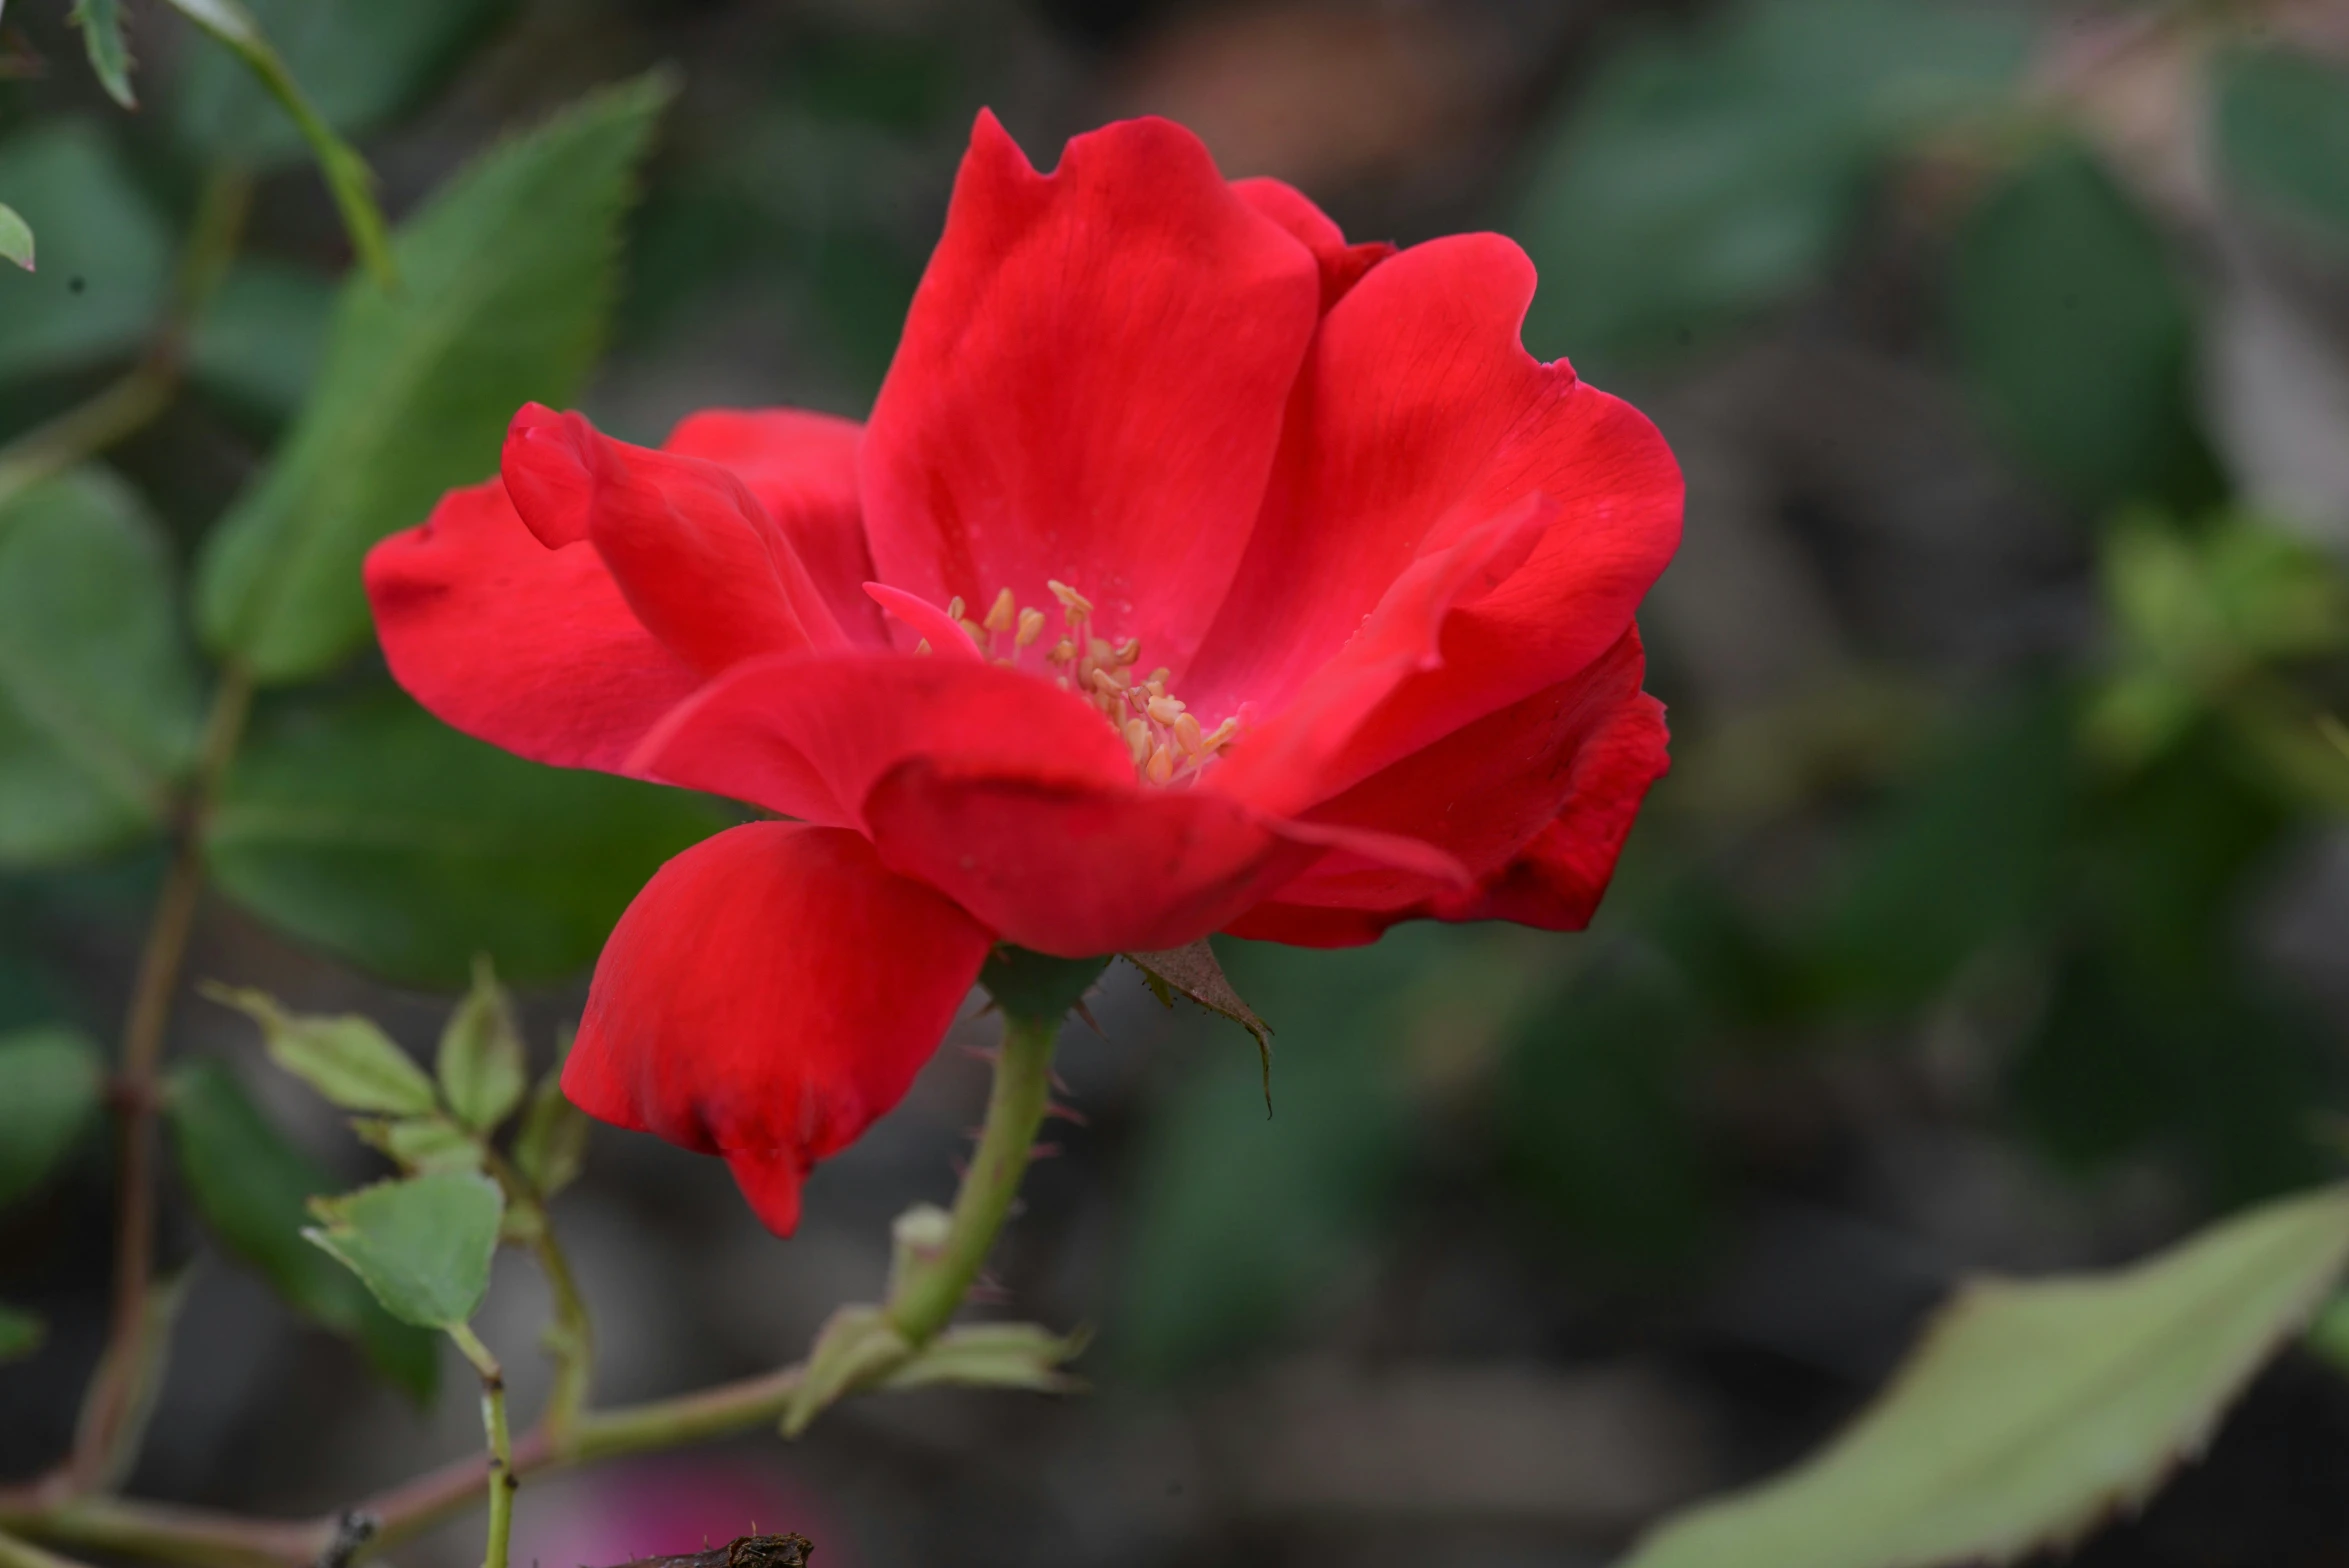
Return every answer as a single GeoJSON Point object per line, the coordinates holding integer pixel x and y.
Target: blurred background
{"type": "Point", "coordinates": [1995, 915]}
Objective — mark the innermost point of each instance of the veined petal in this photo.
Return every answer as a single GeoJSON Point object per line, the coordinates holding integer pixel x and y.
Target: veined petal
{"type": "Point", "coordinates": [525, 647]}
{"type": "Point", "coordinates": [809, 735]}
{"type": "Point", "coordinates": [1090, 385]}
{"type": "Point", "coordinates": [701, 563]}
{"type": "Point", "coordinates": [1535, 801]}
{"type": "Point", "coordinates": [770, 993]}
{"type": "Point", "coordinates": [1418, 413]}
{"type": "Point", "coordinates": [1076, 870]}
{"type": "Point", "coordinates": [802, 468]}
{"type": "Point", "coordinates": [1342, 265]}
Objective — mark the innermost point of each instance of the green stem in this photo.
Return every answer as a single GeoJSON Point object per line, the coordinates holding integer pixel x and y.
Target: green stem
{"type": "Point", "coordinates": [502, 1479]}
{"type": "Point", "coordinates": [573, 1341]}
{"type": "Point", "coordinates": [931, 1293]}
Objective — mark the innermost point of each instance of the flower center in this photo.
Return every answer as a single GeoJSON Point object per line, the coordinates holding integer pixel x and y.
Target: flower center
{"type": "Point", "coordinates": [1168, 743]}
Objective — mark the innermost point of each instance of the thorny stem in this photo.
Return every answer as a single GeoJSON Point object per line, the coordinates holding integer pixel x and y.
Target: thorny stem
{"type": "Point", "coordinates": [502, 1479]}
{"type": "Point", "coordinates": [131, 401]}
{"type": "Point", "coordinates": [919, 1309]}
{"type": "Point", "coordinates": [114, 1387]}
{"type": "Point", "coordinates": [923, 1302]}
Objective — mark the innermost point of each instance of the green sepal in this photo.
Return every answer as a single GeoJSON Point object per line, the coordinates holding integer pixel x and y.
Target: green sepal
{"type": "Point", "coordinates": [1032, 985]}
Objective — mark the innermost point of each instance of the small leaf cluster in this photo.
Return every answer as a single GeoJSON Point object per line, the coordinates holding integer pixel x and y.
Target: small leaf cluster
{"type": "Point", "coordinates": [421, 1243]}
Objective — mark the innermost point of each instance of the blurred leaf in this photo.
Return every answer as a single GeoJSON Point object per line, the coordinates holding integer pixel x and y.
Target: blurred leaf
{"type": "Point", "coordinates": [551, 1145]}
{"type": "Point", "coordinates": [422, 1245]}
{"type": "Point", "coordinates": [1963, 858]}
{"type": "Point", "coordinates": [507, 278]}
{"type": "Point", "coordinates": [16, 238]}
{"type": "Point", "coordinates": [481, 1062]}
{"type": "Point", "coordinates": [262, 336]}
{"type": "Point", "coordinates": [2328, 1336]}
{"type": "Point", "coordinates": [2125, 1063]}
{"type": "Point", "coordinates": [2197, 613]}
{"type": "Point", "coordinates": [101, 25]}
{"type": "Point", "coordinates": [2033, 1411]}
{"type": "Point", "coordinates": [1240, 1223]}
{"type": "Point", "coordinates": [252, 1188]}
{"type": "Point", "coordinates": [420, 1143]}
{"type": "Point", "coordinates": [100, 712]}
{"type": "Point", "coordinates": [1596, 1115]}
{"type": "Point", "coordinates": [375, 831]}
{"type": "Point", "coordinates": [2283, 139]}
{"type": "Point", "coordinates": [1707, 173]}
{"type": "Point", "coordinates": [348, 179]}
{"type": "Point", "coordinates": [51, 1083]}
{"type": "Point", "coordinates": [21, 1333]}
{"type": "Point", "coordinates": [347, 1059]}
{"type": "Point", "coordinates": [363, 64]}
{"type": "Point", "coordinates": [2077, 338]}
{"type": "Point", "coordinates": [107, 251]}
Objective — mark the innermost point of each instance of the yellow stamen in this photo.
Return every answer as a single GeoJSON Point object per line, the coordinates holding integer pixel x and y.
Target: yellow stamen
{"type": "Point", "coordinates": [1001, 613]}
{"type": "Point", "coordinates": [954, 608]}
{"type": "Point", "coordinates": [1031, 627]}
{"type": "Point", "coordinates": [1186, 734]}
{"type": "Point", "coordinates": [1160, 767]}
{"type": "Point", "coordinates": [1165, 709]}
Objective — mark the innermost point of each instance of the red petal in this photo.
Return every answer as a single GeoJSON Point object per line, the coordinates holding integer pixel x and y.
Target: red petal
{"type": "Point", "coordinates": [809, 735]}
{"type": "Point", "coordinates": [802, 468]}
{"type": "Point", "coordinates": [525, 647]}
{"type": "Point", "coordinates": [1535, 801]}
{"type": "Point", "coordinates": [1078, 870]}
{"type": "Point", "coordinates": [769, 994]}
{"type": "Point", "coordinates": [1281, 767]}
{"type": "Point", "coordinates": [1090, 385]}
{"type": "Point", "coordinates": [930, 624]}
{"type": "Point", "coordinates": [1342, 265]}
{"type": "Point", "coordinates": [1419, 411]}
{"type": "Point", "coordinates": [702, 564]}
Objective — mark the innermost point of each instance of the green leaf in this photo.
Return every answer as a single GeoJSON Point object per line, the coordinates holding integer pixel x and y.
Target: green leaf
{"type": "Point", "coordinates": [346, 1058]}
{"type": "Point", "coordinates": [100, 711]}
{"type": "Point", "coordinates": [1709, 172]}
{"type": "Point", "coordinates": [481, 1064]}
{"type": "Point", "coordinates": [21, 1333]}
{"type": "Point", "coordinates": [16, 238]}
{"type": "Point", "coordinates": [993, 1355]}
{"type": "Point", "coordinates": [421, 1143]}
{"type": "Point", "coordinates": [508, 277]}
{"type": "Point", "coordinates": [2032, 1411]}
{"type": "Point", "coordinates": [252, 1188]}
{"type": "Point", "coordinates": [260, 341]}
{"type": "Point", "coordinates": [423, 1246]}
{"type": "Point", "coordinates": [101, 25]}
{"type": "Point", "coordinates": [51, 1081]}
{"type": "Point", "coordinates": [2282, 133]}
{"type": "Point", "coordinates": [348, 179]}
{"type": "Point", "coordinates": [362, 63]}
{"type": "Point", "coordinates": [551, 1146]}
{"type": "Point", "coordinates": [108, 254]}
{"type": "Point", "coordinates": [375, 831]}
{"type": "Point", "coordinates": [2077, 338]}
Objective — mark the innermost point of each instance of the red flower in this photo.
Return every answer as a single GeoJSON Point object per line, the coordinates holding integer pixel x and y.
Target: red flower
{"type": "Point", "coordinates": [1196, 572]}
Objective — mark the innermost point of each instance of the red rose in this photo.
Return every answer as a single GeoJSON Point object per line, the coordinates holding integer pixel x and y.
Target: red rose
{"type": "Point", "coordinates": [1196, 572]}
